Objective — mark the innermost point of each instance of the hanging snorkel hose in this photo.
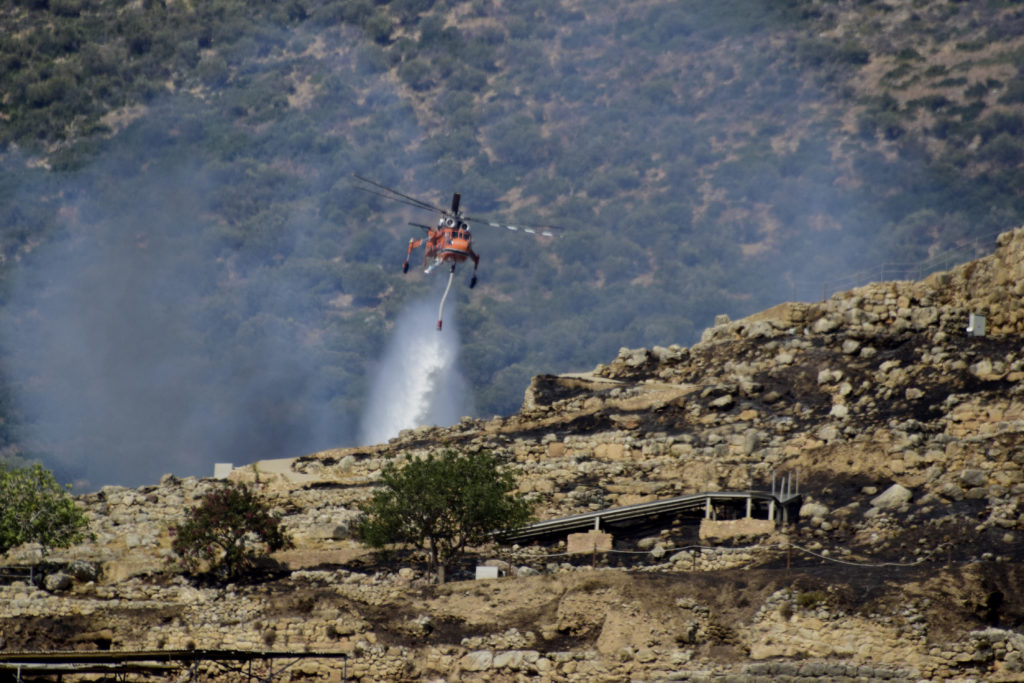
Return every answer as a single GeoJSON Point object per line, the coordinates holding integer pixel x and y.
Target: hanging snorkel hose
{"type": "Point", "coordinates": [440, 311]}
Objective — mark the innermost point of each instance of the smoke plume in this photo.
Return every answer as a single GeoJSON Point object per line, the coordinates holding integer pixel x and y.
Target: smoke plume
{"type": "Point", "coordinates": [135, 354]}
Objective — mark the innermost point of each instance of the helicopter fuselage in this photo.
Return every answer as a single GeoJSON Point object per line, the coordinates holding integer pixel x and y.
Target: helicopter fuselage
{"type": "Point", "coordinates": [451, 242]}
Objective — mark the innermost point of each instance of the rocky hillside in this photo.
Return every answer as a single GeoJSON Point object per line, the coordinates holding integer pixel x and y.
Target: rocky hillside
{"type": "Point", "coordinates": [905, 562]}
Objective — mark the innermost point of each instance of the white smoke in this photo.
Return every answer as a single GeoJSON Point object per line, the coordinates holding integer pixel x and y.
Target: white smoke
{"type": "Point", "coordinates": [418, 382]}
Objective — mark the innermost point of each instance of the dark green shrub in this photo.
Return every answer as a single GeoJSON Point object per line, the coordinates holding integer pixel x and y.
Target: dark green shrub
{"type": "Point", "coordinates": [1014, 92]}
{"type": "Point", "coordinates": [810, 599]}
{"type": "Point", "coordinates": [379, 27]}
{"type": "Point", "coordinates": [417, 74]}
{"type": "Point", "coordinates": [229, 531]}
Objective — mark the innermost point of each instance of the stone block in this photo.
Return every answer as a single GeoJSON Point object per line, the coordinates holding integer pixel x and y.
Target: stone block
{"type": "Point", "coordinates": [609, 451]}
{"type": "Point", "coordinates": [589, 542]}
{"type": "Point", "coordinates": [733, 528]}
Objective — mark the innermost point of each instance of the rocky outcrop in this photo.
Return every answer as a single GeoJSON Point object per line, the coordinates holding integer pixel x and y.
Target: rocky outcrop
{"type": "Point", "coordinates": [904, 433]}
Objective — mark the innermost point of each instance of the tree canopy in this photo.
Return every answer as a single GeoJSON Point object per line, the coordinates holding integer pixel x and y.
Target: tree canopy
{"type": "Point", "coordinates": [443, 503]}
{"type": "Point", "coordinates": [230, 530]}
{"type": "Point", "coordinates": [34, 508]}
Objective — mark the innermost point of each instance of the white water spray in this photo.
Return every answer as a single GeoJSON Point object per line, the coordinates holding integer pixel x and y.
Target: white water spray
{"type": "Point", "coordinates": [418, 382]}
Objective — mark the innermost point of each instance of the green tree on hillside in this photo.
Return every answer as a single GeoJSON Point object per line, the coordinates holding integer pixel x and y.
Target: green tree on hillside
{"type": "Point", "coordinates": [34, 508]}
{"type": "Point", "coordinates": [229, 531]}
{"type": "Point", "coordinates": [443, 503]}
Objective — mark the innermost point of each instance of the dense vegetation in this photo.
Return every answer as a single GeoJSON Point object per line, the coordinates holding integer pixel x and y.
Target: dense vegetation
{"type": "Point", "coordinates": [182, 249]}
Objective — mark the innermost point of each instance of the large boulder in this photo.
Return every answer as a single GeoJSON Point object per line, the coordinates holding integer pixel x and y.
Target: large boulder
{"type": "Point", "coordinates": [892, 498]}
{"type": "Point", "coordinates": [58, 581]}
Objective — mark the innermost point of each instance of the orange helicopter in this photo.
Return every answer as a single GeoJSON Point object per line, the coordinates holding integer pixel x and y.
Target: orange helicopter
{"type": "Point", "coordinates": [450, 242]}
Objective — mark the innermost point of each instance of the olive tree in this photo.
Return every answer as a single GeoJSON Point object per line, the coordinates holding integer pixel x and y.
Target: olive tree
{"type": "Point", "coordinates": [442, 503]}
{"type": "Point", "coordinates": [229, 531]}
{"type": "Point", "coordinates": [34, 508]}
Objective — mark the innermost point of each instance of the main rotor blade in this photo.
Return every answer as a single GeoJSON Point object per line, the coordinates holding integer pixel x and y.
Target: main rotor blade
{"type": "Point", "coordinates": [397, 196]}
{"type": "Point", "coordinates": [530, 229]}
{"type": "Point", "coordinates": [394, 199]}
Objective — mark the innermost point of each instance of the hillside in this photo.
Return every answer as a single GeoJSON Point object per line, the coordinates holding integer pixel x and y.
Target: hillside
{"type": "Point", "coordinates": [903, 562]}
{"type": "Point", "coordinates": [187, 273]}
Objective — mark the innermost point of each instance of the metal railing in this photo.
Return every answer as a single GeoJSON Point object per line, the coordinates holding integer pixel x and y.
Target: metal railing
{"type": "Point", "coordinates": [11, 573]}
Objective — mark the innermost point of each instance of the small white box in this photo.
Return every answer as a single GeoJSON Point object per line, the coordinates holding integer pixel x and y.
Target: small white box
{"type": "Point", "coordinates": [486, 573]}
{"type": "Point", "coordinates": [976, 325]}
{"type": "Point", "coordinates": [221, 470]}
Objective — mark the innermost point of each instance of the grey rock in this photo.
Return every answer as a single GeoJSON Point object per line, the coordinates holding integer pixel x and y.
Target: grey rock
{"type": "Point", "coordinates": [824, 325]}
{"type": "Point", "coordinates": [751, 441]}
{"type": "Point", "coordinates": [759, 329]}
{"type": "Point", "coordinates": [951, 491]}
{"type": "Point", "coordinates": [813, 510]}
{"type": "Point", "coordinates": [648, 542]}
{"type": "Point", "coordinates": [57, 582]}
{"type": "Point", "coordinates": [973, 477]}
{"type": "Point", "coordinates": [480, 660]}
{"type": "Point", "coordinates": [829, 376]}
{"type": "Point", "coordinates": [924, 316]}
{"type": "Point", "coordinates": [84, 571]}
{"type": "Point", "coordinates": [893, 497]}
{"type": "Point", "coordinates": [723, 402]}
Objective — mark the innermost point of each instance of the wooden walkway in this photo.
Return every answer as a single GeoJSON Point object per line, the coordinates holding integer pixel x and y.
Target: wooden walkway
{"type": "Point", "coordinates": [778, 504]}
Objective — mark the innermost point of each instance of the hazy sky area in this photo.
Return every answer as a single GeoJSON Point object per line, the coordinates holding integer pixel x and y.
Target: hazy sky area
{"type": "Point", "coordinates": [197, 281]}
